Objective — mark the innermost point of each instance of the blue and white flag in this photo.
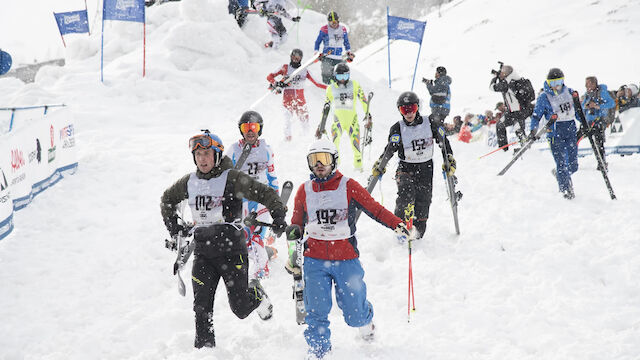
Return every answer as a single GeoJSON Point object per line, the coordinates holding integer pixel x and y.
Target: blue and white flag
{"type": "Point", "coordinates": [5, 62]}
{"type": "Point", "coordinates": [124, 10]}
{"type": "Point", "coordinates": [72, 22]}
{"type": "Point", "coordinates": [405, 29]}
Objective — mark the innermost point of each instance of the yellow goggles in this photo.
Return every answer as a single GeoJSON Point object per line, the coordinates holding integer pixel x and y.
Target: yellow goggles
{"type": "Point", "coordinates": [324, 158]}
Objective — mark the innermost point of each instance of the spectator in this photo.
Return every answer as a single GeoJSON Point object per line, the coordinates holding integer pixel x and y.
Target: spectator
{"type": "Point", "coordinates": [596, 105]}
{"type": "Point", "coordinates": [451, 129]}
{"type": "Point", "coordinates": [627, 97]}
{"type": "Point", "coordinates": [518, 95]}
{"type": "Point", "coordinates": [440, 94]}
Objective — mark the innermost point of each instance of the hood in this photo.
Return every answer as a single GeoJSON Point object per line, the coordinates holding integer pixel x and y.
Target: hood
{"type": "Point", "coordinates": [443, 80]}
{"type": "Point", "coordinates": [513, 76]}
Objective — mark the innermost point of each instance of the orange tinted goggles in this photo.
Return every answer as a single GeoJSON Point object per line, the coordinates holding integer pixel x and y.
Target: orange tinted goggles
{"type": "Point", "coordinates": [204, 142]}
{"type": "Point", "coordinates": [408, 109]}
{"type": "Point", "coordinates": [324, 158]}
{"type": "Point", "coordinates": [246, 127]}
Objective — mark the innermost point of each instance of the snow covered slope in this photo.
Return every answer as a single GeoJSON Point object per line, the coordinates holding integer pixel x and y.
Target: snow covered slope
{"type": "Point", "coordinates": [532, 276]}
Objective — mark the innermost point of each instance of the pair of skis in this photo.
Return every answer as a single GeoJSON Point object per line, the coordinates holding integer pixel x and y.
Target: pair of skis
{"type": "Point", "coordinates": [453, 194]}
{"type": "Point", "coordinates": [366, 138]}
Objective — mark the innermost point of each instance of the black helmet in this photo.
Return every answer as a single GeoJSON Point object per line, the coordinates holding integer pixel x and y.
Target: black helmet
{"type": "Point", "coordinates": [296, 52]}
{"type": "Point", "coordinates": [341, 68]}
{"type": "Point", "coordinates": [333, 16]}
{"type": "Point", "coordinates": [407, 98]}
{"type": "Point", "coordinates": [251, 117]}
{"type": "Point", "coordinates": [441, 70]}
{"type": "Point", "coordinates": [555, 73]}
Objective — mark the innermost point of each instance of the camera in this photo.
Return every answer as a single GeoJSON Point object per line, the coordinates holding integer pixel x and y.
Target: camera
{"type": "Point", "coordinates": [497, 72]}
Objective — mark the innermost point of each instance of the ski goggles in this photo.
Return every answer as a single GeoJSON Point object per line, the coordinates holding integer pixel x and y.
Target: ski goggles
{"type": "Point", "coordinates": [204, 141]}
{"type": "Point", "coordinates": [342, 77]}
{"type": "Point", "coordinates": [555, 82]}
{"type": "Point", "coordinates": [296, 59]}
{"type": "Point", "coordinates": [408, 109]}
{"type": "Point", "coordinates": [333, 22]}
{"type": "Point", "coordinates": [324, 158]}
{"type": "Point", "coordinates": [246, 127]}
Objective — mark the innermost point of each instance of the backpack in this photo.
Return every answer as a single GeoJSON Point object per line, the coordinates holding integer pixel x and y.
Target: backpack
{"type": "Point", "coordinates": [524, 91]}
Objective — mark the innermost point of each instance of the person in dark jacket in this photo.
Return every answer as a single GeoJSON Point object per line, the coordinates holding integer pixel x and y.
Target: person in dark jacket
{"type": "Point", "coordinates": [214, 193]}
{"type": "Point", "coordinates": [627, 97]}
{"type": "Point", "coordinates": [440, 92]}
{"type": "Point", "coordinates": [413, 139]}
{"type": "Point", "coordinates": [596, 104]}
{"type": "Point", "coordinates": [518, 95]}
{"type": "Point", "coordinates": [325, 210]}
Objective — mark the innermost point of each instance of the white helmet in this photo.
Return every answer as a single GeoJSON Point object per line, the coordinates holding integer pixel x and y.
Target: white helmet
{"type": "Point", "coordinates": [322, 146]}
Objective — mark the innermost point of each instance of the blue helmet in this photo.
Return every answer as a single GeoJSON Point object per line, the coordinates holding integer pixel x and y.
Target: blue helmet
{"type": "Point", "coordinates": [207, 140]}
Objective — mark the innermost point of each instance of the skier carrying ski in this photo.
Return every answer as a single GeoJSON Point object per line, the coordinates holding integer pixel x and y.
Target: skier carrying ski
{"type": "Point", "coordinates": [259, 165]}
{"type": "Point", "coordinates": [596, 104]}
{"type": "Point", "coordinates": [556, 99]}
{"type": "Point", "coordinates": [341, 94]}
{"type": "Point", "coordinates": [412, 138]}
{"type": "Point", "coordinates": [335, 40]}
{"type": "Point", "coordinates": [293, 98]}
{"type": "Point", "coordinates": [214, 193]}
{"type": "Point", "coordinates": [273, 10]}
{"type": "Point", "coordinates": [324, 209]}
{"type": "Point", "coordinates": [440, 92]}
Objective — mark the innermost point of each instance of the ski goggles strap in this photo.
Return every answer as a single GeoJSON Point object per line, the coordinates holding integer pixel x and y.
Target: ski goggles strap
{"type": "Point", "coordinates": [324, 158]}
{"type": "Point", "coordinates": [408, 109]}
{"type": "Point", "coordinates": [204, 141]}
{"type": "Point", "coordinates": [555, 82]}
{"type": "Point", "coordinates": [246, 127]}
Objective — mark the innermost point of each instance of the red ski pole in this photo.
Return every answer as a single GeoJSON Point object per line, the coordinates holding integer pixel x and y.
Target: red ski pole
{"type": "Point", "coordinates": [411, 293]}
{"type": "Point", "coordinates": [500, 148]}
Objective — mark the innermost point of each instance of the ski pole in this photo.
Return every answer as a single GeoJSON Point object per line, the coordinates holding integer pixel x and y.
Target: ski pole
{"type": "Point", "coordinates": [408, 216]}
{"type": "Point", "coordinates": [500, 148]}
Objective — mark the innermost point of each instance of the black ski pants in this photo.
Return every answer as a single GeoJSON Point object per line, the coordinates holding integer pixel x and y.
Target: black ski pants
{"type": "Point", "coordinates": [206, 274]}
{"type": "Point", "coordinates": [415, 183]}
{"type": "Point", "coordinates": [598, 131]}
{"type": "Point", "coordinates": [510, 119]}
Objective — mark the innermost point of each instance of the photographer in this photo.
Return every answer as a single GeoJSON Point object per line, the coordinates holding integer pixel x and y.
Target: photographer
{"type": "Point", "coordinates": [440, 95]}
{"type": "Point", "coordinates": [518, 95]}
{"type": "Point", "coordinates": [596, 105]}
{"type": "Point", "coordinates": [627, 97]}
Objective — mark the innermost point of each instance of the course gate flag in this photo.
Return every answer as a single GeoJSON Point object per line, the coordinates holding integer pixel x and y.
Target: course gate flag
{"type": "Point", "coordinates": [72, 22]}
{"type": "Point", "coordinates": [399, 28]}
{"type": "Point", "coordinates": [124, 10]}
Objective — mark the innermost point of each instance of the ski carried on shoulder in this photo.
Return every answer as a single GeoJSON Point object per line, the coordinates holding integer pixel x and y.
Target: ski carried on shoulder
{"type": "Point", "coordinates": [453, 194]}
{"type": "Point", "coordinates": [366, 138]}
{"type": "Point", "coordinates": [323, 122]}
{"type": "Point", "coordinates": [246, 150]}
{"type": "Point", "coordinates": [594, 147]}
{"type": "Point", "coordinates": [528, 144]}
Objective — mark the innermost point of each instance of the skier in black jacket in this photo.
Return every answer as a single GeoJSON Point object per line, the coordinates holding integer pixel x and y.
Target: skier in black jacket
{"type": "Point", "coordinates": [413, 139]}
{"type": "Point", "coordinates": [214, 193]}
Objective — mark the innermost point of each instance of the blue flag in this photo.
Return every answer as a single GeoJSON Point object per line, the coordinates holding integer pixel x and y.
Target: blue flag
{"type": "Point", "coordinates": [5, 62]}
{"type": "Point", "coordinates": [405, 29]}
{"type": "Point", "coordinates": [72, 22]}
{"type": "Point", "coordinates": [124, 10]}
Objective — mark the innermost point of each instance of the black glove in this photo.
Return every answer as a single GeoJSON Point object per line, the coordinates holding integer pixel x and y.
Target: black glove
{"type": "Point", "coordinates": [279, 225]}
{"type": "Point", "coordinates": [427, 81]}
{"type": "Point", "coordinates": [533, 136]}
{"type": "Point", "coordinates": [295, 19]}
{"type": "Point", "coordinates": [280, 84]}
{"type": "Point", "coordinates": [293, 232]}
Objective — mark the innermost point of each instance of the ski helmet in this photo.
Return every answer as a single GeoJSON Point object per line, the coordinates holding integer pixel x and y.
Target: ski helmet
{"type": "Point", "coordinates": [207, 140]}
{"type": "Point", "coordinates": [341, 69]}
{"type": "Point", "coordinates": [555, 73]}
{"type": "Point", "coordinates": [333, 16]}
{"type": "Point", "coordinates": [407, 98]}
{"type": "Point", "coordinates": [296, 52]}
{"type": "Point", "coordinates": [322, 146]}
{"type": "Point", "coordinates": [251, 117]}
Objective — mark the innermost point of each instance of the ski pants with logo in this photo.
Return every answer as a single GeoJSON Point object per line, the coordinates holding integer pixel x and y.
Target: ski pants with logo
{"type": "Point", "coordinates": [415, 183]}
{"type": "Point", "coordinates": [348, 120]}
{"type": "Point", "coordinates": [205, 275]}
{"type": "Point", "coordinates": [564, 148]}
{"type": "Point", "coordinates": [326, 66]}
{"type": "Point", "coordinates": [347, 276]}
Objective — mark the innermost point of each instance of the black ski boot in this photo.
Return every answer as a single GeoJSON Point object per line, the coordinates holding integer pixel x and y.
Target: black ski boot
{"type": "Point", "coordinates": [205, 336]}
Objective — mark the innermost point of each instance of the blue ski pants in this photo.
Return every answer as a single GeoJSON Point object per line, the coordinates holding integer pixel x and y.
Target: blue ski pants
{"type": "Point", "coordinates": [351, 297]}
{"type": "Point", "coordinates": [565, 152]}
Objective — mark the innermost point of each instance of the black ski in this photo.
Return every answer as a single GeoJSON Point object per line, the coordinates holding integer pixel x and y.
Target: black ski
{"type": "Point", "coordinates": [185, 249]}
{"type": "Point", "coordinates": [373, 180]}
{"type": "Point", "coordinates": [366, 138]}
{"type": "Point", "coordinates": [594, 147]}
{"type": "Point", "coordinates": [323, 122]}
{"type": "Point", "coordinates": [528, 144]}
{"type": "Point", "coordinates": [452, 180]}
{"type": "Point", "coordinates": [246, 150]}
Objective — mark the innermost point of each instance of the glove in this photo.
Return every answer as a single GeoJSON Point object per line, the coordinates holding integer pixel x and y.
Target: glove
{"type": "Point", "coordinates": [293, 232]}
{"type": "Point", "coordinates": [295, 19]}
{"type": "Point", "coordinates": [402, 232]}
{"type": "Point", "coordinates": [533, 136]}
{"type": "Point", "coordinates": [279, 226]}
{"type": "Point", "coordinates": [318, 133]}
{"type": "Point", "coordinates": [427, 81]}
{"type": "Point", "coordinates": [350, 56]}
{"type": "Point", "coordinates": [171, 244]}
{"type": "Point", "coordinates": [376, 171]}
{"type": "Point", "coordinates": [262, 12]}
{"type": "Point", "coordinates": [452, 165]}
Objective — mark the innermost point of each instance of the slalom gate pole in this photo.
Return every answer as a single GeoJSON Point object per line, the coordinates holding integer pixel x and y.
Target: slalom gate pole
{"type": "Point", "coordinates": [500, 148]}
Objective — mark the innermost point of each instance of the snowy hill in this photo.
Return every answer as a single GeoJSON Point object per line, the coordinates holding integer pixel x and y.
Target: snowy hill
{"type": "Point", "coordinates": [532, 276]}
